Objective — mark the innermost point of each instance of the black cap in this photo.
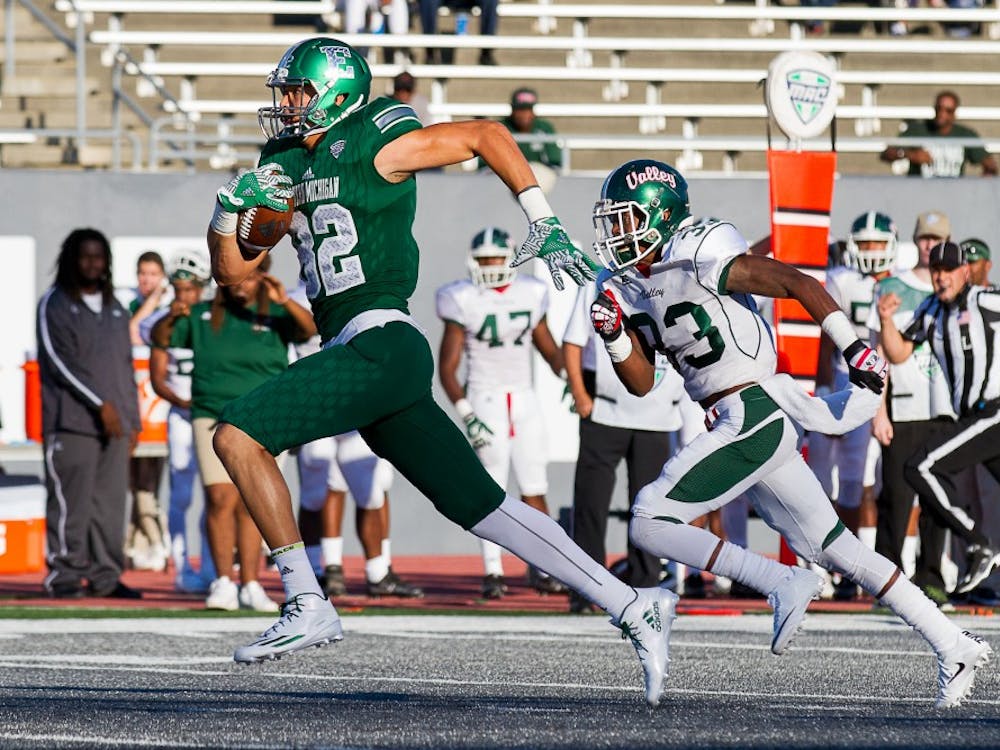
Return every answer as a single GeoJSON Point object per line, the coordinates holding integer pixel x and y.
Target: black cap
{"type": "Point", "coordinates": [947, 255]}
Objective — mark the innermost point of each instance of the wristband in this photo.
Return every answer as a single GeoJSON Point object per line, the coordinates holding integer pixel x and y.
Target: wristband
{"type": "Point", "coordinates": [839, 329]}
{"type": "Point", "coordinates": [534, 204]}
{"type": "Point", "coordinates": [619, 349]}
{"type": "Point", "coordinates": [464, 408]}
{"type": "Point", "coordinates": [223, 221]}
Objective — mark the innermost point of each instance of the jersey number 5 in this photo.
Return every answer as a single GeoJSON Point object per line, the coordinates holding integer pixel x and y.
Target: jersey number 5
{"type": "Point", "coordinates": [328, 268]}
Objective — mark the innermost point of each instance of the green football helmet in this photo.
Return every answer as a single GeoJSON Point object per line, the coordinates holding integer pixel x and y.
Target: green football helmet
{"type": "Point", "coordinates": [642, 205]}
{"type": "Point", "coordinates": [328, 69]}
{"type": "Point", "coordinates": [872, 227]}
{"type": "Point", "coordinates": [491, 242]}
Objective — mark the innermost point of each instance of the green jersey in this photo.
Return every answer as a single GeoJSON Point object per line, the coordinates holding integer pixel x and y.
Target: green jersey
{"type": "Point", "coordinates": [352, 230]}
{"type": "Point", "coordinates": [247, 350]}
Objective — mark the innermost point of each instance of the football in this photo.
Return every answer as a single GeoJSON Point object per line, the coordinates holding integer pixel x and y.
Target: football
{"type": "Point", "coordinates": [261, 228]}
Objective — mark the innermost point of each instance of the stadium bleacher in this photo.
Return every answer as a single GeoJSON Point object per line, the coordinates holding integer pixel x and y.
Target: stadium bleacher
{"type": "Point", "coordinates": [184, 78]}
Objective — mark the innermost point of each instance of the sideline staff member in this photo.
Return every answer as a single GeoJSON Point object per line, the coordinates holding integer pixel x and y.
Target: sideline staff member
{"type": "Point", "coordinates": [958, 322]}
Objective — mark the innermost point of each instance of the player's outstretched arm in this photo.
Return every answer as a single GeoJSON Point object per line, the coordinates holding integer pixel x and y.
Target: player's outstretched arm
{"type": "Point", "coordinates": [454, 142]}
{"type": "Point", "coordinates": [755, 275]}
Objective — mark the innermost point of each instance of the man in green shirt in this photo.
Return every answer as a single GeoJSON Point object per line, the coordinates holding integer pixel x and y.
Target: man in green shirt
{"type": "Point", "coordinates": [522, 120]}
{"type": "Point", "coordinates": [349, 162]}
{"type": "Point", "coordinates": [938, 158]}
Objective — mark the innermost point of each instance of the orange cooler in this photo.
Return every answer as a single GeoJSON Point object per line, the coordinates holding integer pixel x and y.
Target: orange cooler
{"type": "Point", "coordinates": [22, 526]}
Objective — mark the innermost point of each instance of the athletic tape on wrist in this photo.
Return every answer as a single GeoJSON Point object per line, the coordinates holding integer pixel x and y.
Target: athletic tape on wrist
{"type": "Point", "coordinates": [620, 348]}
{"type": "Point", "coordinates": [839, 328]}
{"type": "Point", "coordinates": [534, 204]}
{"type": "Point", "coordinates": [464, 408]}
{"type": "Point", "coordinates": [223, 221]}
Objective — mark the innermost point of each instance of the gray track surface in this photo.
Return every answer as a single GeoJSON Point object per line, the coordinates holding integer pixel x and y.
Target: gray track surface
{"type": "Point", "coordinates": [482, 682]}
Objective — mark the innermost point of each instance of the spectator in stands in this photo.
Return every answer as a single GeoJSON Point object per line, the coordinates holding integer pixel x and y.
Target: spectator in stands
{"type": "Point", "coordinates": [487, 24]}
{"type": "Point", "coordinates": [614, 425]}
{"type": "Point", "coordinates": [404, 89]}
{"type": "Point", "coordinates": [239, 340]}
{"type": "Point", "coordinates": [381, 16]}
{"type": "Point", "coordinates": [977, 255]}
{"type": "Point", "coordinates": [522, 120]}
{"type": "Point", "coordinates": [170, 375]}
{"type": "Point", "coordinates": [90, 420]}
{"type": "Point", "coordinates": [938, 158]}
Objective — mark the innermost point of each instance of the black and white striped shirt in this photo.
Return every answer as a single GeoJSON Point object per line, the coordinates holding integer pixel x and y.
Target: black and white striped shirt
{"type": "Point", "coordinates": [963, 335]}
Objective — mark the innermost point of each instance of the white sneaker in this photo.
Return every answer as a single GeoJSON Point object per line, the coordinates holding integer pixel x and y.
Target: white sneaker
{"type": "Point", "coordinates": [646, 622]}
{"type": "Point", "coordinates": [790, 600]}
{"type": "Point", "coordinates": [957, 668]}
{"type": "Point", "coordinates": [223, 594]}
{"type": "Point", "coordinates": [306, 620]}
{"type": "Point", "coordinates": [252, 596]}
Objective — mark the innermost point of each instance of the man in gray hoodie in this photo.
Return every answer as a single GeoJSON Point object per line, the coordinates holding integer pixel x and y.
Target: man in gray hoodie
{"type": "Point", "coordinates": [90, 420]}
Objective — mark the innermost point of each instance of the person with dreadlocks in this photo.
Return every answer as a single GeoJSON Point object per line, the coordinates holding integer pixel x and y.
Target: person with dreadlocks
{"type": "Point", "coordinates": [90, 420]}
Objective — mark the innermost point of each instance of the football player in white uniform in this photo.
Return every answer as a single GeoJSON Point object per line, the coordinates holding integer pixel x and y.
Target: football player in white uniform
{"type": "Point", "coordinates": [684, 289]}
{"type": "Point", "coordinates": [170, 376]}
{"type": "Point", "coordinates": [495, 316]}
{"type": "Point", "coordinates": [871, 254]}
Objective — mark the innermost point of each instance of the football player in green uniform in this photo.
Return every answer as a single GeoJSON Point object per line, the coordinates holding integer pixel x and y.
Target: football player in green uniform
{"type": "Point", "coordinates": [349, 162]}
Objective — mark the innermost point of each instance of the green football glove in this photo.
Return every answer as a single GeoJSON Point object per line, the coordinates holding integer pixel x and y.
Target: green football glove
{"type": "Point", "coordinates": [267, 185]}
{"type": "Point", "coordinates": [547, 240]}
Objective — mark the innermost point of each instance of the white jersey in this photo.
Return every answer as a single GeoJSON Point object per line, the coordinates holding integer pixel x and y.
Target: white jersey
{"type": "Point", "coordinates": [498, 324]}
{"type": "Point", "coordinates": [716, 340]}
{"type": "Point", "coordinates": [853, 292]}
{"type": "Point", "coordinates": [180, 361]}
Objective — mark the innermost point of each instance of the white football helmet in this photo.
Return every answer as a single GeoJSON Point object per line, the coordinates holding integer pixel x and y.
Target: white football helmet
{"type": "Point", "coordinates": [491, 242]}
{"type": "Point", "coordinates": [872, 227]}
{"type": "Point", "coordinates": [190, 265]}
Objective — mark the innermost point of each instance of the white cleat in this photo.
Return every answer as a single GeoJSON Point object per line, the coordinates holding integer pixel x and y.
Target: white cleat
{"type": "Point", "coordinates": [306, 620]}
{"type": "Point", "coordinates": [790, 600]}
{"type": "Point", "coordinates": [646, 622]}
{"type": "Point", "coordinates": [223, 594]}
{"type": "Point", "coordinates": [957, 669]}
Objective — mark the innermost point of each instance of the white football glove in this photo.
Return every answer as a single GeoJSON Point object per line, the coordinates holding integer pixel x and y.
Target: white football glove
{"type": "Point", "coordinates": [267, 185]}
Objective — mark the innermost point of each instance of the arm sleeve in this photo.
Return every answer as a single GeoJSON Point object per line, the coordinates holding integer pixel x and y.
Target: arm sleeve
{"type": "Point", "coordinates": [578, 327]}
{"type": "Point", "coordinates": [57, 339]}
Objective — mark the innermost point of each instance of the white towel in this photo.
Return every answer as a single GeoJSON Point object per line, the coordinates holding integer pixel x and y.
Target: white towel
{"type": "Point", "coordinates": [834, 414]}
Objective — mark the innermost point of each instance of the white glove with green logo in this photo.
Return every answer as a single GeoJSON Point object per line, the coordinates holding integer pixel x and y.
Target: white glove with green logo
{"type": "Point", "coordinates": [267, 185]}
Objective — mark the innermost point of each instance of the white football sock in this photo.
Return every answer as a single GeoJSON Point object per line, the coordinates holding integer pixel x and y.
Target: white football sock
{"type": "Point", "coordinates": [909, 555]}
{"type": "Point", "coordinates": [387, 551]}
{"type": "Point", "coordinates": [315, 554]}
{"type": "Point", "coordinates": [492, 564]}
{"type": "Point", "coordinates": [296, 573]}
{"type": "Point", "coordinates": [921, 614]}
{"type": "Point", "coordinates": [536, 538]}
{"type": "Point", "coordinates": [333, 550]}
{"type": "Point", "coordinates": [873, 572]}
{"type": "Point", "coordinates": [694, 547]}
{"type": "Point", "coordinates": [376, 569]}
{"type": "Point", "coordinates": [867, 536]}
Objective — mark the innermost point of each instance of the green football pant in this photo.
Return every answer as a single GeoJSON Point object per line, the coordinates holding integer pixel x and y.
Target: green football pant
{"type": "Point", "coordinates": [378, 383]}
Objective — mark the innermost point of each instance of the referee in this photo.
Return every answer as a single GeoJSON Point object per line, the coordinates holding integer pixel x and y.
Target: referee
{"type": "Point", "coordinates": [959, 321]}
